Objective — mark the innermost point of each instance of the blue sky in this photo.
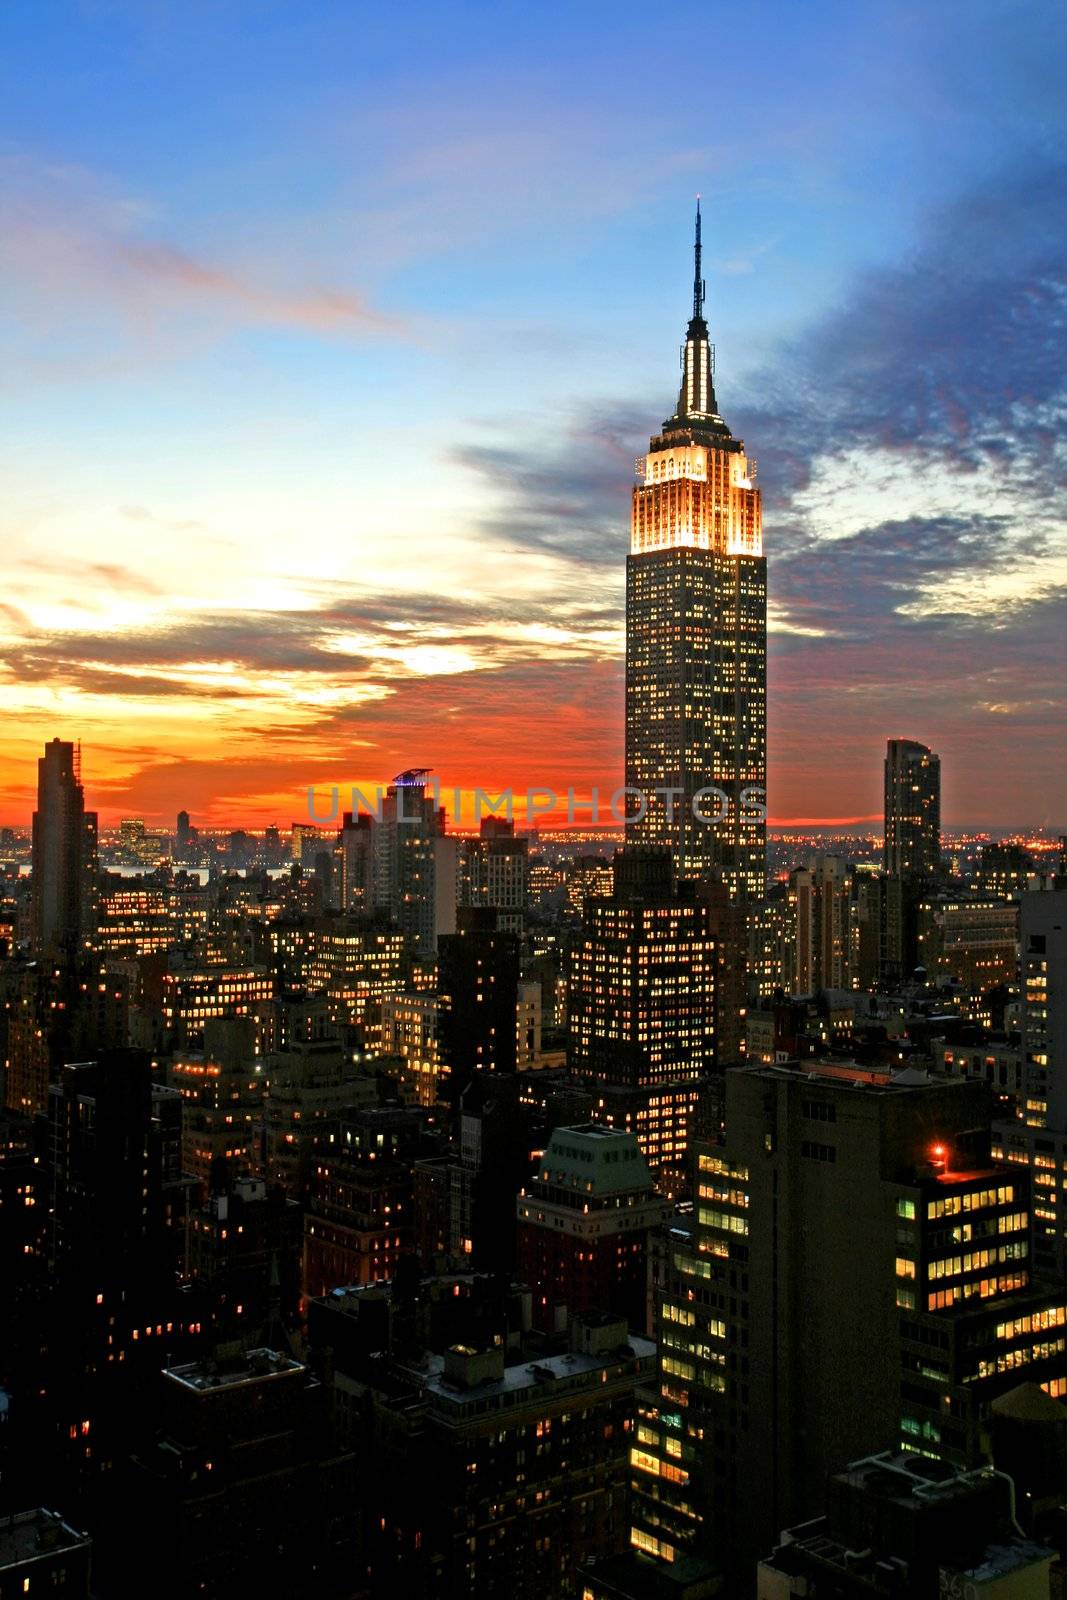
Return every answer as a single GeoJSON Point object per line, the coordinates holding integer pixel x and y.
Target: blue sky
{"type": "Point", "coordinates": [334, 327]}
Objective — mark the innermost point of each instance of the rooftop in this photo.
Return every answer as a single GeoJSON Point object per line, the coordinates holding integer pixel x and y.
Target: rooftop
{"type": "Point", "coordinates": [254, 1366]}
{"type": "Point", "coordinates": [573, 1370]}
{"type": "Point", "coordinates": [30, 1535]}
{"type": "Point", "coordinates": [594, 1160]}
{"type": "Point", "coordinates": [881, 1081]}
{"type": "Point", "coordinates": [909, 1478]}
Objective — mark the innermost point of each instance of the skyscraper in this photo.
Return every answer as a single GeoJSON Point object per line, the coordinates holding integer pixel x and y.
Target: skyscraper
{"type": "Point", "coordinates": [912, 810]}
{"type": "Point", "coordinates": [64, 854]}
{"type": "Point", "coordinates": [642, 1002]}
{"type": "Point", "coordinates": [696, 638]}
{"type": "Point", "coordinates": [857, 1278]}
{"type": "Point", "coordinates": [415, 862]}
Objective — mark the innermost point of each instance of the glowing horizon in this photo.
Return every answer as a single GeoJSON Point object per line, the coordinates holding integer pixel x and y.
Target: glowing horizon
{"type": "Point", "coordinates": [322, 419]}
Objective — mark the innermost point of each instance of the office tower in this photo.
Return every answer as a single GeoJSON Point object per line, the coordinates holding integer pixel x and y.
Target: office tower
{"type": "Point", "coordinates": [132, 839]}
{"type": "Point", "coordinates": [478, 987]}
{"type": "Point", "coordinates": [583, 1227]}
{"type": "Point", "coordinates": [309, 1079]}
{"type": "Point", "coordinates": [823, 899]}
{"type": "Point", "coordinates": [586, 876]}
{"type": "Point", "coordinates": [64, 855]}
{"type": "Point", "coordinates": [306, 839]}
{"type": "Point", "coordinates": [857, 1279]}
{"type": "Point", "coordinates": [912, 811]}
{"type": "Point", "coordinates": [415, 862]}
{"type": "Point", "coordinates": [972, 939]}
{"type": "Point", "coordinates": [641, 1005]}
{"type": "Point", "coordinates": [193, 991]}
{"type": "Point", "coordinates": [326, 871]}
{"type": "Point", "coordinates": [497, 872]}
{"type": "Point", "coordinates": [137, 919]}
{"type": "Point", "coordinates": [237, 1486]}
{"type": "Point", "coordinates": [1038, 1141]}
{"type": "Point", "coordinates": [185, 838]}
{"type": "Point", "coordinates": [696, 638]}
{"type": "Point", "coordinates": [897, 1525]}
{"type": "Point", "coordinates": [222, 1091]}
{"type": "Point", "coordinates": [641, 985]}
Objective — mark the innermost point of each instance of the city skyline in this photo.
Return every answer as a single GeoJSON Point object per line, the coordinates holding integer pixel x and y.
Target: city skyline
{"type": "Point", "coordinates": [230, 573]}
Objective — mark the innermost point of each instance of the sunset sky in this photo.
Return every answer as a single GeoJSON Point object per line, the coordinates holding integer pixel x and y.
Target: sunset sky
{"type": "Point", "coordinates": [331, 332]}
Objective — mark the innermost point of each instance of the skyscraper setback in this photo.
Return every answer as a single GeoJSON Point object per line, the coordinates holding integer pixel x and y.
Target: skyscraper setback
{"type": "Point", "coordinates": [696, 637]}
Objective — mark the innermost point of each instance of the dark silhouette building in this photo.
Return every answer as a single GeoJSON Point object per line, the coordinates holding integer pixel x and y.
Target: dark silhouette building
{"type": "Point", "coordinates": [64, 855]}
{"type": "Point", "coordinates": [238, 1486]}
{"type": "Point", "coordinates": [478, 984]}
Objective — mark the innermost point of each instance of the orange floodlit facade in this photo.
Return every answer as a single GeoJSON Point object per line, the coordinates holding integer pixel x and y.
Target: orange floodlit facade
{"type": "Point", "coordinates": [697, 497]}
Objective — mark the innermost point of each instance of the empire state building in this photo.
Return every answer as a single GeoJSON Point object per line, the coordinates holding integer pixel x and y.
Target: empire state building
{"type": "Point", "coordinates": [696, 638]}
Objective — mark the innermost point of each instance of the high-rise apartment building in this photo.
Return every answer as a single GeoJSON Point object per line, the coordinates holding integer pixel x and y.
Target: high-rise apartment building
{"type": "Point", "coordinates": [355, 861]}
{"type": "Point", "coordinates": [822, 901]}
{"type": "Point", "coordinates": [696, 638]}
{"type": "Point", "coordinates": [912, 811]}
{"type": "Point", "coordinates": [64, 854]}
{"type": "Point", "coordinates": [415, 862]}
{"type": "Point", "coordinates": [497, 872]}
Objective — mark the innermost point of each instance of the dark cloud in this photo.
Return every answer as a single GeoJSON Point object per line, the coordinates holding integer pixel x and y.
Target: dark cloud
{"type": "Point", "coordinates": [951, 360]}
{"type": "Point", "coordinates": [572, 501]}
{"type": "Point", "coordinates": [153, 661]}
{"type": "Point", "coordinates": [850, 585]}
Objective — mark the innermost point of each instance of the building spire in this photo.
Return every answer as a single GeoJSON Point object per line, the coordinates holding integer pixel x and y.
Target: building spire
{"type": "Point", "coordinates": [696, 398]}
